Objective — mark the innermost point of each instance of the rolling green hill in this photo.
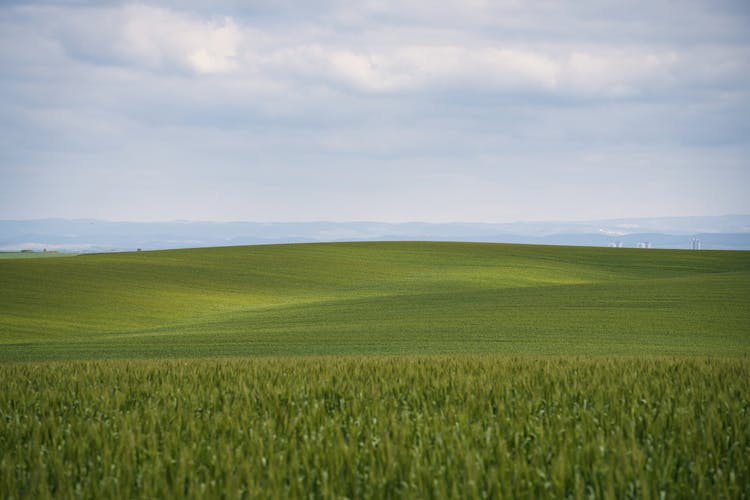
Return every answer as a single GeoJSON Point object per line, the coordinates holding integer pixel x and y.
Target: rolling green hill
{"type": "Point", "coordinates": [376, 298]}
{"type": "Point", "coordinates": [578, 372]}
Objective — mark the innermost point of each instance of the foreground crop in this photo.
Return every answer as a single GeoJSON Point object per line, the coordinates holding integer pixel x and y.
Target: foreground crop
{"type": "Point", "coordinates": [376, 427]}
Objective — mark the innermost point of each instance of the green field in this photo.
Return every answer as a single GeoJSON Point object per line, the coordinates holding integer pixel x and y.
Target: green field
{"type": "Point", "coordinates": [376, 370]}
{"type": "Point", "coordinates": [397, 427]}
{"type": "Point", "coordinates": [376, 298]}
{"type": "Point", "coordinates": [31, 255]}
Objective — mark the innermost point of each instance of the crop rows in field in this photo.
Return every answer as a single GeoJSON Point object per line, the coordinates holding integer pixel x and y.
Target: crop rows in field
{"type": "Point", "coordinates": [377, 427]}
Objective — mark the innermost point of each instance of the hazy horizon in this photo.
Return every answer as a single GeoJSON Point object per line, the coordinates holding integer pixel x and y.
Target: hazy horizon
{"type": "Point", "coordinates": [84, 235]}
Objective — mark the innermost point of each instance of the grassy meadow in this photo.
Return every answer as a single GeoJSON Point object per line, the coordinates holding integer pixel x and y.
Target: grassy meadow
{"type": "Point", "coordinates": [32, 255]}
{"type": "Point", "coordinates": [376, 298]}
{"type": "Point", "coordinates": [376, 370]}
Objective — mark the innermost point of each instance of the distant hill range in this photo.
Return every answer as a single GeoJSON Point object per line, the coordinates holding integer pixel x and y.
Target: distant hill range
{"type": "Point", "coordinates": [729, 232]}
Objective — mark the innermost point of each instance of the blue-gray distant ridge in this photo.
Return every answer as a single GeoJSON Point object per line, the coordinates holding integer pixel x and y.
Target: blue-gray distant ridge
{"type": "Point", "coordinates": [730, 232]}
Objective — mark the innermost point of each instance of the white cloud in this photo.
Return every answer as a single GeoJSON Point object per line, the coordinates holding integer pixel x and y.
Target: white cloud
{"type": "Point", "coordinates": [564, 70]}
{"type": "Point", "coordinates": [385, 58]}
{"type": "Point", "coordinates": [150, 37]}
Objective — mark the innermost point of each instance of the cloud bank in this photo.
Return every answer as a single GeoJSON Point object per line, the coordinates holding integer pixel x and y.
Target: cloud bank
{"type": "Point", "coordinates": [485, 111]}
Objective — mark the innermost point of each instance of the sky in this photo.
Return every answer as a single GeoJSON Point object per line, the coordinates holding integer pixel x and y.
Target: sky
{"type": "Point", "coordinates": [394, 111]}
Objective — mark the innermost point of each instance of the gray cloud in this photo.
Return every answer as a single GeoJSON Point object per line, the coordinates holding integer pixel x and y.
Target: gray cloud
{"type": "Point", "coordinates": [396, 111]}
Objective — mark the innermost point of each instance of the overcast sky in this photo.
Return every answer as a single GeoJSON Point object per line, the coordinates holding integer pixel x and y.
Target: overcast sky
{"type": "Point", "coordinates": [457, 110]}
